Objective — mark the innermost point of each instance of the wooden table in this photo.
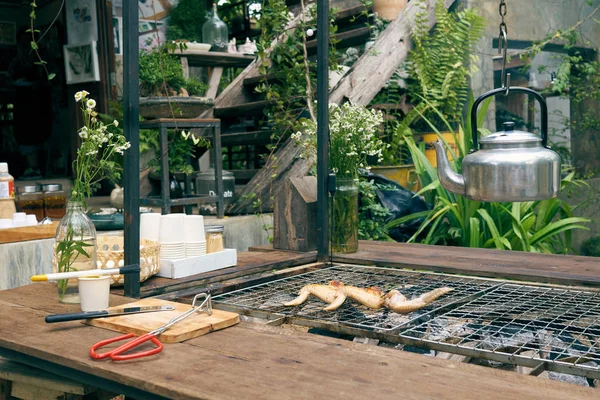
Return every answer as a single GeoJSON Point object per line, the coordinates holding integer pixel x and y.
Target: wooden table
{"type": "Point", "coordinates": [251, 361]}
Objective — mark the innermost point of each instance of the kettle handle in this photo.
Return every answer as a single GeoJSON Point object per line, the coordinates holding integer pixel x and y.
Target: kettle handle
{"type": "Point", "coordinates": [539, 97]}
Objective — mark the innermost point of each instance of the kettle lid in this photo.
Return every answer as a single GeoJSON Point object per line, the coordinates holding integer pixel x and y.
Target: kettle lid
{"type": "Point", "coordinates": [509, 136]}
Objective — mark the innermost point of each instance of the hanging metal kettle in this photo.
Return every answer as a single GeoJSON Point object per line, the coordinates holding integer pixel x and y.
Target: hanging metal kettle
{"type": "Point", "coordinates": [504, 166]}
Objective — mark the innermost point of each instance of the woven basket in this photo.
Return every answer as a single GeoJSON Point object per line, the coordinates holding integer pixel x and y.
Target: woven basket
{"type": "Point", "coordinates": [110, 254]}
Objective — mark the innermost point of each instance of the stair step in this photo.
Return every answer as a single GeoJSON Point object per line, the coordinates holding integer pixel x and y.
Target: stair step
{"type": "Point", "coordinates": [238, 138]}
{"type": "Point", "coordinates": [245, 109]}
{"type": "Point", "coordinates": [346, 39]}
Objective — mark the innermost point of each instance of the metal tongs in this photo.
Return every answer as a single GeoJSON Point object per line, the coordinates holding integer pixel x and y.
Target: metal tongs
{"type": "Point", "coordinates": [116, 354]}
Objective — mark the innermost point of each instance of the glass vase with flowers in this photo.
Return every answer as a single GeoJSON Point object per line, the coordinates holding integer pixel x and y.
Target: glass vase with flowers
{"type": "Point", "coordinates": [75, 245]}
{"type": "Point", "coordinates": [353, 137]}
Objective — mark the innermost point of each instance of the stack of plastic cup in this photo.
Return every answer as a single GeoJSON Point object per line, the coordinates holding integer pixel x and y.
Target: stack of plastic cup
{"type": "Point", "coordinates": [150, 226]}
{"type": "Point", "coordinates": [195, 241]}
{"type": "Point", "coordinates": [171, 236]}
{"type": "Point", "coordinates": [19, 219]}
{"type": "Point", "coordinates": [6, 223]}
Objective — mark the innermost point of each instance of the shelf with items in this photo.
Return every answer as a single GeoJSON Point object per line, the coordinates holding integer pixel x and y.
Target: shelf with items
{"type": "Point", "coordinates": [164, 200]}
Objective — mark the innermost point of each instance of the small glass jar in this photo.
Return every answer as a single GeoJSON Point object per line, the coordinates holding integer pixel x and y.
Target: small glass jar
{"type": "Point", "coordinates": [214, 238]}
{"type": "Point", "coordinates": [30, 200]}
{"type": "Point", "coordinates": [55, 201]}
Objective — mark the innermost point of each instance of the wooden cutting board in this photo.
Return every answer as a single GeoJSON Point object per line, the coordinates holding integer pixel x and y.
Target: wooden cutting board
{"type": "Point", "coordinates": [26, 233]}
{"type": "Point", "coordinates": [193, 326]}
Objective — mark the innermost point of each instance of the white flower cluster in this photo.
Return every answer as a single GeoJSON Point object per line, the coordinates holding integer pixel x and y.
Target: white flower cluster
{"type": "Point", "coordinates": [354, 137]}
{"type": "Point", "coordinates": [98, 144]}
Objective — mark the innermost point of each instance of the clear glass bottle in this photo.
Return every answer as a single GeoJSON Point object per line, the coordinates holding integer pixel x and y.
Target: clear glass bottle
{"type": "Point", "coordinates": [74, 249]}
{"type": "Point", "coordinates": [344, 208]}
{"type": "Point", "coordinates": [30, 200]}
{"type": "Point", "coordinates": [55, 201]}
{"type": "Point", "coordinates": [7, 193]}
{"type": "Point", "coordinates": [214, 238]}
{"type": "Point", "coordinates": [215, 32]}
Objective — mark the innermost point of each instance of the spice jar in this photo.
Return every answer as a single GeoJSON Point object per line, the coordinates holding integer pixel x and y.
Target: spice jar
{"type": "Point", "coordinates": [55, 200]}
{"type": "Point", "coordinates": [30, 200]}
{"type": "Point", "coordinates": [214, 238]}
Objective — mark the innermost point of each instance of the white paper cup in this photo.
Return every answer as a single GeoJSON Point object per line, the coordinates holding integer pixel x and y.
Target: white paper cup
{"type": "Point", "coordinates": [150, 226]}
{"type": "Point", "coordinates": [31, 219]}
{"type": "Point", "coordinates": [193, 229]}
{"type": "Point", "coordinates": [19, 219]}
{"type": "Point", "coordinates": [171, 228]}
{"type": "Point", "coordinates": [94, 292]}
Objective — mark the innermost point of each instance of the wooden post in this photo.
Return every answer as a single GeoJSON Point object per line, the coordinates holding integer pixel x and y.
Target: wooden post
{"type": "Point", "coordinates": [295, 215]}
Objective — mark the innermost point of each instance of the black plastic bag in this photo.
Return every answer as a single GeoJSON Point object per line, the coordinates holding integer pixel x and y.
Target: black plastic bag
{"type": "Point", "coordinates": [400, 202]}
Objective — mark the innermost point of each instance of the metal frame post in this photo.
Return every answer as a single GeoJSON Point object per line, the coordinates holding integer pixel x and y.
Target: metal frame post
{"type": "Point", "coordinates": [322, 129]}
{"type": "Point", "coordinates": [131, 113]}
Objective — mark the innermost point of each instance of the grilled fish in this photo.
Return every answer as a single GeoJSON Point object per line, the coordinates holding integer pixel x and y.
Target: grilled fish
{"type": "Point", "coordinates": [371, 297]}
{"type": "Point", "coordinates": [325, 293]}
{"type": "Point", "coordinates": [397, 302]}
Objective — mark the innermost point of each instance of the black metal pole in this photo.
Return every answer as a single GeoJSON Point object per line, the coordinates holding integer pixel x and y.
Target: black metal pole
{"type": "Point", "coordinates": [131, 113]}
{"type": "Point", "coordinates": [322, 129]}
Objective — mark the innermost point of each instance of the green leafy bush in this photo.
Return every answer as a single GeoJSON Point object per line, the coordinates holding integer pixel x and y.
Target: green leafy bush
{"type": "Point", "coordinates": [186, 20]}
{"type": "Point", "coordinates": [161, 74]}
{"type": "Point", "coordinates": [537, 226]}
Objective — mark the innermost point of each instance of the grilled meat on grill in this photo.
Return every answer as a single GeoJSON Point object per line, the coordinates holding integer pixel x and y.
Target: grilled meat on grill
{"type": "Point", "coordinates": [325, 293]}
{"type": "Point", "coordinates": [397, 302]}
{"type": "Point", "coordinates": [371, 297]}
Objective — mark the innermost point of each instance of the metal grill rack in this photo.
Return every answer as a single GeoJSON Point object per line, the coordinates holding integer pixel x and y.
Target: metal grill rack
{"type": "Point", "coordinates": [268, 298]}
{"type": "Point", "coordinates": [541, 327]}
{"type": "Point", "coordinates": [547, 328]}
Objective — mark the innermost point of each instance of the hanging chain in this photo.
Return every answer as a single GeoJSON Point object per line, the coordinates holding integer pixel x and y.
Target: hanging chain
{"type": "Point", "coordinates": [503, 45]}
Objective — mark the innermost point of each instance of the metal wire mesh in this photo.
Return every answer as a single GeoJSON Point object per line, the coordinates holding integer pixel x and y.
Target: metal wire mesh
{"type": "Point", "coordinates": [269, 297]}
{"type": "Point", "coordinates": [516, 323]}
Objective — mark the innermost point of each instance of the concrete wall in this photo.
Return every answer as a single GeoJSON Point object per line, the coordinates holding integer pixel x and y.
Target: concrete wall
{"type": "Point", "coordinates": [528, 20]}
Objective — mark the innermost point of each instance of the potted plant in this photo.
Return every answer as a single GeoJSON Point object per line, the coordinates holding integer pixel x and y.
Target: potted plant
{"type": "Point", "coordinates": [354, 138]}
{"type": "Point", "coordinates": [164, 91]}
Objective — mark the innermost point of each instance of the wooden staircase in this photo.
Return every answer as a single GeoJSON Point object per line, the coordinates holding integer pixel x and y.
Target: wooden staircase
{"type": "Point", "coordinates": [241, 110]}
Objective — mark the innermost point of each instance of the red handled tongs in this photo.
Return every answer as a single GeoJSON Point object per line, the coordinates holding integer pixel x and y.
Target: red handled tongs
{"type": "Point", "coordinates": [117, 354]}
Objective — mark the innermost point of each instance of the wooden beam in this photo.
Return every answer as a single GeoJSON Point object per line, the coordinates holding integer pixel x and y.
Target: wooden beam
{"type": "Point", "coordinates": [375, 67]}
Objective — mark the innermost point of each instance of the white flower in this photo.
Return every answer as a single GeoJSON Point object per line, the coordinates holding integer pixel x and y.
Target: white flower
{"type": "Point", "coordinates": [91, 103]}
{"type": "Point", "coordinates": [81, 95]}
{"type": "Point", "coordinates": [309, 32]}
{"type": "Point", "coordinates": [115, 123]}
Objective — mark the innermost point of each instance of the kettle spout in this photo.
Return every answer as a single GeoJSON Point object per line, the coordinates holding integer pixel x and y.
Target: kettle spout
{"type": "Point", "coordinates": [449, 179]}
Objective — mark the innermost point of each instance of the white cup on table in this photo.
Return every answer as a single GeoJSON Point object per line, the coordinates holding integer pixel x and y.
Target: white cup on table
{"type": "Point", "coordinates": [171, 228]}
{"type": "Point", "coordinates": [150, 226]}
{"type": "Point", "coordinates": [94, 292]}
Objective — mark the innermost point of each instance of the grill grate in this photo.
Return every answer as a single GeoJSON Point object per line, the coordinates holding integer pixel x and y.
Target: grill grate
{"type": "Point", "coordinates": [522, 324]}
{"type": "Point", "coordinates": [269, 297]}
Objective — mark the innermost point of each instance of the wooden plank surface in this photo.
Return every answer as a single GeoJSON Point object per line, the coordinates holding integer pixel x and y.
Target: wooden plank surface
{"type": "Point", "coordinates": [253, 361]}
{"type": "Point", "coordinates": [546, 268]}
{"type": "Point", "coordinates": [26, 233]}
{"type": "Point", "coordinates": [195, 325]}
{"type": "Point", "coordinates": [248, 263]}
{"type": "Point", "coordinates": [490, 263]}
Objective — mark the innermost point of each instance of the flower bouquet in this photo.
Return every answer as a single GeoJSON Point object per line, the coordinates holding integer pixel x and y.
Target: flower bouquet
{"type": "Point", "coordinates": [353, 136]}
{"type": "Point", "coordinates": [75, 246]}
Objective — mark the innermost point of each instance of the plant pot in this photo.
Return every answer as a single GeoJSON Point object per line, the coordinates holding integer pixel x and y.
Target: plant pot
{"type": "Point", "coordinates": [344, 216]}
{"type": "Point", "coordinates": [429, 138]}
{"type": "Point", "coordinates": [182, 107]}
{"type": "Point", "coordinates": [388, 9]}
{"type": "Point", "coordinates": [403, 175]}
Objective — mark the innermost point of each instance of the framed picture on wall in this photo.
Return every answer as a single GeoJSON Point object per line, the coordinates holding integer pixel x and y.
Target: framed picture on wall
{"type": "Point", "coordinates": [8, 33]}
{"type": "Point", "coordinates": [82, 21]}
{"type": "Point", "coordinates": [81, 63]}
